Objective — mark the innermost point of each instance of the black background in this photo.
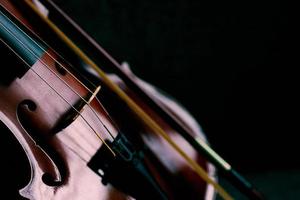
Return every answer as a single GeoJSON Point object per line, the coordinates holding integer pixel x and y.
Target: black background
{"type": "Point", "coordinates": [231, 64]}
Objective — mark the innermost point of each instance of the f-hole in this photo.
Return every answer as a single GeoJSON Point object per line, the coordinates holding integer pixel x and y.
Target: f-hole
{"type": "Point", "coordinates": [58, 176]}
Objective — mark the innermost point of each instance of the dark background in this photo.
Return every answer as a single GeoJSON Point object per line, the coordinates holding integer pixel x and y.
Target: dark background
{"type": "Point", "coordinates": [231, 64]}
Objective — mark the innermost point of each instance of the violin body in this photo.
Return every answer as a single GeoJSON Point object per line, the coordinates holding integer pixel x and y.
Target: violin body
{"type": "Point", "coordinates": [65, 129]}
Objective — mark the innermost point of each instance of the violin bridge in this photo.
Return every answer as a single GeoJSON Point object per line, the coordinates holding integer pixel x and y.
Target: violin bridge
{"type": "Point", "coordinates": [75, 111]}
{"type": "Point", "coordinates": [93, 95]}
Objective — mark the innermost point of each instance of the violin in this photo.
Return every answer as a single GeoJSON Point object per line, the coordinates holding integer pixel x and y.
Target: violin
{"type": "Point", "coordinates": [90, 128]}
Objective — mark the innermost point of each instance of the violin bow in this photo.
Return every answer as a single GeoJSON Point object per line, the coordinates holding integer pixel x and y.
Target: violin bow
{"type": "Point", "coordinates": [198, 144]}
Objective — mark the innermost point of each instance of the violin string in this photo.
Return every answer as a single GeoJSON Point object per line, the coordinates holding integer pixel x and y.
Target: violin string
{"type": "Point", "coordinates": [64, 82]}
{"type": "Point", "coordinates": [68, 71]}
{"type": "Point", "coordinates": [49, 85]}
